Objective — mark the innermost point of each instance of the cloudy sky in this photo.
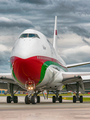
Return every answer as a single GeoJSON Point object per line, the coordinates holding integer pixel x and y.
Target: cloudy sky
{"type": "Point", "coordinates": [73, 42]}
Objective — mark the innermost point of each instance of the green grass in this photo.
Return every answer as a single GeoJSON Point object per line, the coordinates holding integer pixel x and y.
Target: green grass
{"type": "Point", "coordinates": [66, 94]}
{"type": "Point", "coordinates": [70, 98]}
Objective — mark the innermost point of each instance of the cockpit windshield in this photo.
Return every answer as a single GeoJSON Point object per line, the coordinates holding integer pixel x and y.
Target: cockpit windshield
{"type": "Point", "coordinates": [29, 35]}
{"type": "Point", "coordinates": [23, 36]}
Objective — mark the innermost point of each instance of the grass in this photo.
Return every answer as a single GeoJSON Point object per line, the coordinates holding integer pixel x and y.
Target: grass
{"type": "Point", "coordinates": [70, 98]}
{"type": "Point", "coordinates": [66, 94]}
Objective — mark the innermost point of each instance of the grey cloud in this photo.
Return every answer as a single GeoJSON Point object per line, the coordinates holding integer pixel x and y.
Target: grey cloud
{"type": "Point", "coordinates": [5, 22]}
{"type": "Point", "coordinates": [34, 1]}
{"type": "Point", "coordinates": [85, 68]}
{"type": "Point", "coordinates": [3, 2]}
{"type": "Point", "coordinates": [8, 40]}
{"type": "Point", "coordinates": [11, 10]}
{"type": "Point", "coordinates": [58, 7]}
{"type": "Point", "coordinates": [4, 57]}
{"type": "Point", "coordinates": [5, 68]}
{"type": "Point", "coordinates": [80, 31]}
{"type": "Point", "coordinates": [77, 56]}
{"type": "Point", "coordinates": [86, 41]}
{"type": "Point", "coordinates": [66, 7]}
{"type": "Point", "coordinates": [4, 62]}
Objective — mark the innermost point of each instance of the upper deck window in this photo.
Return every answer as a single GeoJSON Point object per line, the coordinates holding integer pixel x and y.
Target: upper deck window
{"type": "Point", "coordinates": [29, 35]}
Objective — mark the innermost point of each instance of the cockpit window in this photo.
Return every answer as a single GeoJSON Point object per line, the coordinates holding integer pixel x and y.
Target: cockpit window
{"type": "Point", "coordinates": [23, 35]}
{"type": "Point", "coordinates": [29, 35]}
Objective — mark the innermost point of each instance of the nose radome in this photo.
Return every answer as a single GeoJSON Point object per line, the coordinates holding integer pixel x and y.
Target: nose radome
{"type": "Point", "coordinates": [26, 70]}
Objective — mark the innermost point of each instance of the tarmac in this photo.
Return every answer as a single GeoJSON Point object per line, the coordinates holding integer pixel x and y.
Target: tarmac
{"type": "Point", "coordinates": [46, 110]}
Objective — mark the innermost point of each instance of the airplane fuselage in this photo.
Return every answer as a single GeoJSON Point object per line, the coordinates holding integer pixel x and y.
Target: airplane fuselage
{"type": "Point", "coordinates": [32, 60]}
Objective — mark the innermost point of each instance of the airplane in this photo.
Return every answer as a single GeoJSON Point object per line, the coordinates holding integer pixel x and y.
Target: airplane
{"type": "Point", "coordinates": [36, 66]}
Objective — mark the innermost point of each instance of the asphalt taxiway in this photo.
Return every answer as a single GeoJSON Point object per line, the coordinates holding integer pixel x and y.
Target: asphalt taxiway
{"type": "Point", "coordinates": [46, 110]}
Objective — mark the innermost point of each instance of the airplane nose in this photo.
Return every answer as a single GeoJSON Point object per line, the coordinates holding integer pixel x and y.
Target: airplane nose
{"type": "Point", "coordinates": [25, 64]}
{"type": "Point", "coordinates": [25, 70]}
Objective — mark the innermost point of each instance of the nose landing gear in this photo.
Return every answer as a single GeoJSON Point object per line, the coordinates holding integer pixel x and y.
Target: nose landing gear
{"type": "Point", "coordinates": [27, 100]}
{"type": "Point", "coordinates": [32, 99]}
{"type": "Point", "coordinates": [32, 94]}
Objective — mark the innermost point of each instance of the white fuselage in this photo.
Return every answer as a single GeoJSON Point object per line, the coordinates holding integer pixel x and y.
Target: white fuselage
{"type": "Point", "coordinates": [37, 55]}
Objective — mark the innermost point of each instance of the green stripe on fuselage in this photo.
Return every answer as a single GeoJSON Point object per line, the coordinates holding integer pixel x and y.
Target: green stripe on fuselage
{"type": "Point", "coordinates": [45, 66]}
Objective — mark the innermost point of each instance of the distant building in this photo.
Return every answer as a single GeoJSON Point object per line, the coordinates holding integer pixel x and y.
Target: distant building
{"type": "Point", "coordinates": [3, 91]}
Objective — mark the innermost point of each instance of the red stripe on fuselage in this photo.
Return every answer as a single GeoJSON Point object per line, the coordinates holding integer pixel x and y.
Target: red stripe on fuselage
{"type": "Point", "coordinates": [29, 69]}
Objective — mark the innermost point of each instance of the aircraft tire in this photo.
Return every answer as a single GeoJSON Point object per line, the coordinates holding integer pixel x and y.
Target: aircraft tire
{"type": "Point", "coordinates": [27, 101]}
{"type": "Point", "coordinates": [34, 99]}
{"type": "Point", "coordinates": [81, 99]}
{"type": "Point", "coordinates": [15, 99]}
{"type": "Point", "coordinates": [38, 99]}
{"type": "Point", "coordinates": [60, 99]}
{"type": "Point", "coordinates": [53, 99]}
{"type": "Point", "coordinates": [74, 99]}
{"type": "Point", "coordinates": [8, 99]}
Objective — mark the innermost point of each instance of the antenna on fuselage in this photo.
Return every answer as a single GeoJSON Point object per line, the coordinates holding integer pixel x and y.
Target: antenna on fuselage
{"type": "Point", "coordinates": [55, 33]}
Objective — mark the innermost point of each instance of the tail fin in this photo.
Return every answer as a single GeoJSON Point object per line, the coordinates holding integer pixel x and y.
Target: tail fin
{"type": "Point", "coordinates": [55, 33]}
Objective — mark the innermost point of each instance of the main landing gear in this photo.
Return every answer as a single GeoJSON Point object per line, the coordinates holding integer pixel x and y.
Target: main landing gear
{"type": "Point", "coordinates": [77, 97]}
{"type": "Point", "coordinates": [12, 97]}
{"type": "Point", "coordinates": [32, 99]}
{"type": "Point", "coordinates": [57, 97]}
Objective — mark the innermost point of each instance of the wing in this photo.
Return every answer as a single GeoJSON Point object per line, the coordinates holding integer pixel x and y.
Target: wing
{"type": "Point", "coordinates": [6, 79]}
{"type": "Point", "coordinates": [77, 64]}
{"type": "Point", "coordinates": [75, 75]}
{"type": "Point", "coordinates": [71, 78]}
